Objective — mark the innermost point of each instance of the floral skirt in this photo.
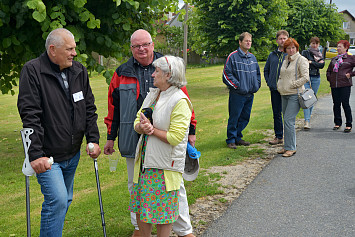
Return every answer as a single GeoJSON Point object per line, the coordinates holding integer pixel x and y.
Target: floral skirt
{"type": "Point", "coordinates": [150, 199]}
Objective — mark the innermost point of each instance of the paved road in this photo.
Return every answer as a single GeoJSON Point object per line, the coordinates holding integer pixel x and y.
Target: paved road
{"type": "Point", "coordinates": [309, 194]}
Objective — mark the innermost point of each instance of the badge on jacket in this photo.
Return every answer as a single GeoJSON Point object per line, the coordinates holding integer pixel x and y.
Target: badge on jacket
{"type": "Point", "coordinates": [78, 96]}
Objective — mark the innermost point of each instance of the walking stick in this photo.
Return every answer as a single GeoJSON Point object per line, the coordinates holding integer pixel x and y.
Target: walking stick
{"type": "Point", "coordinates": [27, 171]}
{"type": "Point", "coordinates": [91, 149]}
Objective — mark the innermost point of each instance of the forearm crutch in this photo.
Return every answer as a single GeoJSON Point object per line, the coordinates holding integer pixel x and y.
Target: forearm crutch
{"type": "Point", "coordinates": [91, 149]}
{"type": "Point", "coordinates": [27, 171]}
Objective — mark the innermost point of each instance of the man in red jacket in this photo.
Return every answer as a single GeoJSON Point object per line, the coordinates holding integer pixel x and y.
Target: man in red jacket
{"type": "Point", "coordinates": [128, 88]}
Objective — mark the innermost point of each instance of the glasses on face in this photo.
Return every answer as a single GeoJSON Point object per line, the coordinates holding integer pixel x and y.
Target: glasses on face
{"type": "Point", "coordinates": [144, 46]}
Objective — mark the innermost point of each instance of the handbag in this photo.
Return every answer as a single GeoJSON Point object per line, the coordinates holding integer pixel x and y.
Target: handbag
{"type": "Point", "coordinates": [307, 98]}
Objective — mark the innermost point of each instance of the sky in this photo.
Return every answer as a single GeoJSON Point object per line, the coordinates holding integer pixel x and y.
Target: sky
{"type": "Point", "coordinates": [344, 5]}
{"type": "Point", "coordinates": [341, 4]}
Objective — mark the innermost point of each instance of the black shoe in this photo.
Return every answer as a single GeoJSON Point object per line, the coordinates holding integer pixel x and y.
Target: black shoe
{"type": "Point", "coordinates": [232, 145]}
{"type": "Point", "coordinates": [347, 130]}
{"type": "Point", "coordinates": [336, 127]}
{"type": "Point", "coordinates": [242, 143]}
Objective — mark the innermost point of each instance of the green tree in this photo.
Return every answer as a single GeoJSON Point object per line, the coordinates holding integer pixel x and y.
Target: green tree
{"type": "Point", "coordinates": [102, 26]}
{"type": "Point", "coordinates": [308, 18]}
{"type": "Point", "coordinates": [172, 39]}
{"type": "Point", "coordinates": [217, 24]}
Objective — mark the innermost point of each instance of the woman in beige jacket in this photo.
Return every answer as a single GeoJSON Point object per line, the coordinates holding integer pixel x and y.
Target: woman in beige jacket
{"type": "Point", "coordinates": [293, 75]}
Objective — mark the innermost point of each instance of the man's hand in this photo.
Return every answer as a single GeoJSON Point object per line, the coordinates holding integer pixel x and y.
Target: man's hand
{"type": "Point", "coordinates": [108, 148]}
{"type": "Point", "coordinates": [192, 140]}
{"type": "Point", "coordinates": [347, 75]}
{"type": "Point", "coordinates": [41, 165]}
{"type": "Point", "coordinates": [95, 153]}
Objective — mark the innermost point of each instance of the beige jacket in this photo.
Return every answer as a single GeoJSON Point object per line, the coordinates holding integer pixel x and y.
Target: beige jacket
{"type": "Point", "coordinates": [287, 83]}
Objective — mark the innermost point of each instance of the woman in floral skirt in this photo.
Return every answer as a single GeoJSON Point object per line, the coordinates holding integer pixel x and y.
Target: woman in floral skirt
{"type": "Point", "coordinates": [163, 122]}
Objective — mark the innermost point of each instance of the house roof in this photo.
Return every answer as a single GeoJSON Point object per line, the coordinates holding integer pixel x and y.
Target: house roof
{"type": "Point", "coordinates": [347, 12]}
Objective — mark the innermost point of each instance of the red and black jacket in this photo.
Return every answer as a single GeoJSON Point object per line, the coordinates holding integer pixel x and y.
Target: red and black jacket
{"type": "Point", "coordinates": [124, 101]}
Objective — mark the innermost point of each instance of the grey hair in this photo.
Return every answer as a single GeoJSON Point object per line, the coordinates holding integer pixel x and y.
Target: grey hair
{"type": "Point", "coordinates": [55, 37]}
{"type": "Point", "coordinates": [175, 66]}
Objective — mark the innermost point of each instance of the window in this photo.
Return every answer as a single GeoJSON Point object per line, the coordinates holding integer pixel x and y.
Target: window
{"type": "Point", "coordinates": [346, 25]}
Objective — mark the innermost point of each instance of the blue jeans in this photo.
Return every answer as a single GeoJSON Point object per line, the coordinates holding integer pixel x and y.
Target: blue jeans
{"type": "Point", "coordinates": [239, 114]}
{"type": "Point", "coordinates": [290, 109]}
{"type": "Point", "coordinates": [277, 113]}
{"type": "Point", "coordinates": [315, 83]}
{"type": "Point", "coordinates": [57, 189]}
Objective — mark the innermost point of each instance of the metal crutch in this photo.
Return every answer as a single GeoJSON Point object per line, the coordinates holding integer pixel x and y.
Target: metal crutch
{"type": "Point", "coordinates": [27, 171]}
{"type": "Point", "coordinates": [91, 149]}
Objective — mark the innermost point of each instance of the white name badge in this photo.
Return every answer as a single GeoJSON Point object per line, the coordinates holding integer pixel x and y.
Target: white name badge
{"type": "Point", "coordinates": [78, 96]}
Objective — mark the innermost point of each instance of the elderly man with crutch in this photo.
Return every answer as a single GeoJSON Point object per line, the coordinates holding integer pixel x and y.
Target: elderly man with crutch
{"type": "Point", "coordinates": [55, 101]}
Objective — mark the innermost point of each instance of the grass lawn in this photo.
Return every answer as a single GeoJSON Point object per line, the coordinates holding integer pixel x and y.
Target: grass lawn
{"type": "Point", "coordinates": [210, 100]}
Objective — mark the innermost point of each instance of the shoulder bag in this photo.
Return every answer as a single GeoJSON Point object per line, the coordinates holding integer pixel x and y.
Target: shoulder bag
{"type": "Point", "coordinates": [307, 98]}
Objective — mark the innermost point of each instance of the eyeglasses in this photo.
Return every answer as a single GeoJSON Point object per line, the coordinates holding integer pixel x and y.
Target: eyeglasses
{"type": "Point", "coordinates": [144, 46]}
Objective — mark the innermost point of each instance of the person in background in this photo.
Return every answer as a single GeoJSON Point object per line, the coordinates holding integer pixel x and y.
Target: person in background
{"type": "Point", "coordinates": [56, 101]}
{"type": "Point", "coordinates": [339, 74]}
{"type": "Point", "coordinates": [294, 74]}
{"type": "Point", "coordinates": [128, 88]}
{"type": "Point", "coordinates": [242, 76]}
{"type": "Point", "coordinates": [271, 73]}
{"type": "Point", "coordinates": [161, 150]}
{"type": "Point", "coordinates": [316, 62]}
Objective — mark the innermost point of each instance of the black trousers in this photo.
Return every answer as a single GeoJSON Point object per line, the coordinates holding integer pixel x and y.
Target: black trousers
{"type": "Point", "coordinates": [341, 97]}
{"type": "Point", "coordinates": [277, 113]}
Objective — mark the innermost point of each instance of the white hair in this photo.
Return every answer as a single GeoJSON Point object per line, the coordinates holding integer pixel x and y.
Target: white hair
{"type": "Point", "coordinates": [175, 66]}
{"type": "Point", "coordinates": [55, 37]}
{"type": "Point", "coordinates": [141, 32]}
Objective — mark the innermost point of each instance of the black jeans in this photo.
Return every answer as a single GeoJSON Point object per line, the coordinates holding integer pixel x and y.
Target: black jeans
{"type": "Point", "coordinates": [277, 113]}
{"type": "Point", "coordinates": [340, 97]}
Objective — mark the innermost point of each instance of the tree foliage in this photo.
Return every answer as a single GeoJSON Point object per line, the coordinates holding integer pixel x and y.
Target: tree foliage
{"type": "Point", "coordinates": [172, 41]}
{"type": "Point", "coordinates": [218, 23]}
{"type": "Point", "coordinates": [102, 26]}
{"type": "Point", "coordinates": [308, 18]}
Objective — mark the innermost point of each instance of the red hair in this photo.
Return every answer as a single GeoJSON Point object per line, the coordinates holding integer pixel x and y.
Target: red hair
{"type": "Point", "coordinates": [290, 41]}
{"type": "Point", "coordinates": [345, 43]}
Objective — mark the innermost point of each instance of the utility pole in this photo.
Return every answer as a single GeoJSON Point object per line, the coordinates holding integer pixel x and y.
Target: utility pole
{"type": "Point", "coordinates": [185, 34]}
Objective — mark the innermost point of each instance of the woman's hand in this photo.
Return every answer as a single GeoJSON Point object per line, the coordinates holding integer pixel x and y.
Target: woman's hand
{"type": "Point", "coordinates": [145, 126]}
{"type": "Point", "coordinates": [347, 75]}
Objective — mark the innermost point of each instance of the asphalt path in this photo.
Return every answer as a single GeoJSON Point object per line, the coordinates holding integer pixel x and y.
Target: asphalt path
{"type": "Point", "coordinates": [309, 194]}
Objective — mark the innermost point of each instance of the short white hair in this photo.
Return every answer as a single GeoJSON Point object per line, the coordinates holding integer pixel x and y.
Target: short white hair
{"type": "Point", "coordinates": [141, 32]}
{"type": "Point", "coordinates": [55, 37]}
{"type": "Point", "coordinates": [175, 66]}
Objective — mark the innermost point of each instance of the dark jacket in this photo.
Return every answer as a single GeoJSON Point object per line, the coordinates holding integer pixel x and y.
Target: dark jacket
{"type": "Point", "coordinates": [123, 104]}
{"type": "Point", "coordinates": [272, 68]}
{"type": "Point", "coordinates": [338, 79]}
{"type": "Point", "coordinates": [314, 66]}
{"type": "Point", "coordinates": [242, 73]}
{"type": "Point", "coordinates": [59, 123]}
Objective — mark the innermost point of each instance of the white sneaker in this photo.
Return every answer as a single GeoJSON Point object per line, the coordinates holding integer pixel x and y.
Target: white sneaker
{"type": "Point", "coordinates": [307, 125]}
